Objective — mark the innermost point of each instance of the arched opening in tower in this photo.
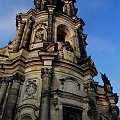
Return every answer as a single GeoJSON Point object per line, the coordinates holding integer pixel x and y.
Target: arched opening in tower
{"type": "Point", "coordinates": [63, 34]}
{"type": "Point", "coordinates": [60, 37]}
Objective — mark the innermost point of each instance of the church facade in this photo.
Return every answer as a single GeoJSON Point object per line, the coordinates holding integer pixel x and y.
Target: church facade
{"type": "Point", "coordinates": [46, 74]}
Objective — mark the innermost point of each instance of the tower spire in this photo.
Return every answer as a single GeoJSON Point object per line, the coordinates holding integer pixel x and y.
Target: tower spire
{"type": "Point", "coordinates": [65, 6]}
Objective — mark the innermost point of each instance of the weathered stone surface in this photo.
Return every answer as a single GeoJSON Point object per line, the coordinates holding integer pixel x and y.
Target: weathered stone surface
{"type": "Point", "coordinates": [45, 73]}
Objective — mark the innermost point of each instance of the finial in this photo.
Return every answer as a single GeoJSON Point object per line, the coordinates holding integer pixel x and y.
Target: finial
{"type": "Point", "coordinates": [105, 78]}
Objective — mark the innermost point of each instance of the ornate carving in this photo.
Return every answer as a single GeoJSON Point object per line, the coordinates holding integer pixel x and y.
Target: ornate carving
{"type": "Point", "coordinates": [40, 25]}
{"type": "Point", "coordinates": [46, 72]}
{"type": "Point", "coordinates": [90, 86]}
{"type": "Point", "coordinates": [40, 35]}
{"type": "Point", "coordinates": [6, 80]}
{"type": "Point", "coordinates": [62, 83]}
{"type": "Point", "coordinates": [18, 19]}
{"type": "Point", "coordinates": [31, 88]}
{"type": "Point", "coordinates": [17, 77]}
{"type": "Point", "coordinates": [68, 46]}
{"type": "Point", "coordinates": [37, 4]}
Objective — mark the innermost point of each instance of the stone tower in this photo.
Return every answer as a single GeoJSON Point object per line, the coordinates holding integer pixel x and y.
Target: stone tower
{"type": "Point", "coordinates": [45, 73]}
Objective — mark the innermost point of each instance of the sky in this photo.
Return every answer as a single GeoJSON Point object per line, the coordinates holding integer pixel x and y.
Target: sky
{"type": "Point", "coordinates": [102, 18]}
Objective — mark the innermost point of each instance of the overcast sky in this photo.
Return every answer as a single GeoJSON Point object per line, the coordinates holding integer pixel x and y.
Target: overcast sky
{"type": "Point", "coordinates": [102, 18]}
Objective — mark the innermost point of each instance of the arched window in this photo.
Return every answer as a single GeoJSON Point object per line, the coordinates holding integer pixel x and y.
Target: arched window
{"type": "Point", "coordinates": [63, 34]}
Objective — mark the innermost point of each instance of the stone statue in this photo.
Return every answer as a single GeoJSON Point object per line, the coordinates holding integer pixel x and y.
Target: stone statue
{"type": "Point", "coordinates": [105, 78]}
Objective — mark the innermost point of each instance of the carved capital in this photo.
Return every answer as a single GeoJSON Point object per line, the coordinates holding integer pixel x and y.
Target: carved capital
{"type": "Point", "coordinates": [46, 72]}
{"type": "Point", "coordinates": [89, 86]}
{"type": "Point", "coordinates": [17, 77]}
{"type": "Point", "coordinates": [4, 81]}
{"type": "Point", "coordinates": [68, 46]}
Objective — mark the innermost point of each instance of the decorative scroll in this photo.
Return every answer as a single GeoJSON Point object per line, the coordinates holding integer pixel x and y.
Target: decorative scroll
{"type": "Point", "coordinates": [4, 80]}
{"type": "Point", "coordinates": [40, 35]}
{"type": "Point", "coordinates": [31, 88]}
{"type": "Point", "coordinates": [68, 46]}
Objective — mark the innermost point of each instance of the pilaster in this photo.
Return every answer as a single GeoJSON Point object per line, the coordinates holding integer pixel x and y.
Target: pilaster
{"type": "Point", "coordinates": [93, 111]}
{"type": "Point", "coordinates": [19, 34]}
{"type": "Point", "coordinates": [3, 90]}
{"type": "Point", "coordinates": [12, 98]}
{"type": "Point", "coordinates": [50, 23]}
{"type": "Point", "coordinates": [46, 75]}
{"type": "Point", "coordinates": [27, 33]}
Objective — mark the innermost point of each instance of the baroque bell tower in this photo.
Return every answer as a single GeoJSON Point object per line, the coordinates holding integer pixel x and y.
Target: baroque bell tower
{"type": "Point", "coordinates": [46, 74]}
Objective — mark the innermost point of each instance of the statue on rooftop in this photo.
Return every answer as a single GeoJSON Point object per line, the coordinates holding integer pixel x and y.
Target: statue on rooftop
{"type": "Point", "coordinates": [105, 78]}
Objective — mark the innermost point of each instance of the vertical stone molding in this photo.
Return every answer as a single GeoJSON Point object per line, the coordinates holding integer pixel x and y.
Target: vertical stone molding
{"type": "Point", "coordinates": [20, 30]}
{"type": "Point", "coordinates": [50, 23]}
{"type": "Point", "coordinates": [3, 90]}
{"type": "Point", "coordinates": [12, 98]}
{"type": "Point", "coordinates": [27, 35]}
{"type": "Point", "coordinates": [93, 111]}
{"type": "Point", "coordinates": [46, 75]}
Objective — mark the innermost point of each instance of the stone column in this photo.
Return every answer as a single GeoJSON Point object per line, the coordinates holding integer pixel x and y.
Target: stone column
{"type": "Point", "coordinates": [20, 30]}
{"type": "Point", "coordinates": [46, 75]}
{"type": "Point", "coordinates": [50, 23]}
{"type": "Point", "coordinates": [12, 98]}
{"type": "Point", "coordinates": [3, 91]}
{"type": "Point", "coordinates": [27, 34]}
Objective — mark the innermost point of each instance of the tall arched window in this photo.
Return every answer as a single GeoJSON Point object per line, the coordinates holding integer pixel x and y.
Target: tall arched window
{"type": "Point", "coordinates": [63, 34]}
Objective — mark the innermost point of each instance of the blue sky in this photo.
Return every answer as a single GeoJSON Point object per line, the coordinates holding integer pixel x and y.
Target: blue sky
{"type": "Point", "coordinates": [102, 18]}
